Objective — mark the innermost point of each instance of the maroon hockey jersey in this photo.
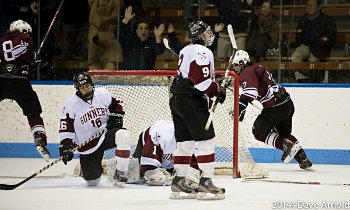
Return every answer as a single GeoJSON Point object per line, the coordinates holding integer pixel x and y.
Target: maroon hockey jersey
{"type": "Point", "coordinates": [16, 49]}
{"type": "Point", "coordinates": [257, 84]}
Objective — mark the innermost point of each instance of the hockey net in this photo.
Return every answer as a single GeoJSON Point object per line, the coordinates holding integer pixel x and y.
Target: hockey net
{"type": "Point", "coordinates": [145, 96]}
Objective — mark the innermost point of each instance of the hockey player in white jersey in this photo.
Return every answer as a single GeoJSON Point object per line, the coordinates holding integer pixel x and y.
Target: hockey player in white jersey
{"type": "Point", "coordinates": [193, 90]}
{"type": "Point", "coordinates": [155, 149]}
{"type": "Point", "coordinates": [87, 112]}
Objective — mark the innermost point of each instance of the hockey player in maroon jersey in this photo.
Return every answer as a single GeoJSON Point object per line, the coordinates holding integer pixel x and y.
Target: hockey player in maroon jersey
{"type": "Point", "coordinates": [273, 126]}
{"type": "Point", "coordinates": [16, 57]}
{"type": "Point", "coordinates": [86, 113]}
{"type": "Point", "coordinates": [193, 90]}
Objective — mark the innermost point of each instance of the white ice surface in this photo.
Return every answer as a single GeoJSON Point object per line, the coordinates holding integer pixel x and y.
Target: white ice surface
{"type": "Point", "coordinates": [56, 188]}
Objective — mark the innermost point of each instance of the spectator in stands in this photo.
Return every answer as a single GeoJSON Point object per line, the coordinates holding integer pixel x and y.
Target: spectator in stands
{"type": "Point", "coordinates": [239, 14]}
{"type": "Point", "coordinates": [265, 31]}
{"type": "Point", "coordinates": [31, 16]}
{"type": "Point", "coordinates": [104, 49]}
{"type": "Point", "coordinates": [139, 50]}
{"type": "Point", "coordinates": [75, 25]}
{"type": "Point", "coordinates": [177, 46]}
{"type": "Point", "coordinates": [316, 33]}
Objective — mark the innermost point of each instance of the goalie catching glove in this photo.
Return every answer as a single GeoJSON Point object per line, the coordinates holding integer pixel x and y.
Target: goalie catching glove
{"type": "Point", "coordinates": [66, 152]}
{"type": "Point", "coordinates": [115, 120]}
{"type": "Point", "coordinates": [158, 177]}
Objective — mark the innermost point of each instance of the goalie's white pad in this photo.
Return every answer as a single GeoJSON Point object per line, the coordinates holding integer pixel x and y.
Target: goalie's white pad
{"type": "Point", "coordinates": [111, 165]}
{"type": "Point", "coordinates": [77, 170]}
{"type": "Point", "coordinates": [193, 176]}
{"type": "Point", "coordinates": [158, 177]}
{"type": "Point", "coordinates": [133, 172]}
{"type": "Point", "coordinates": [295, 149]}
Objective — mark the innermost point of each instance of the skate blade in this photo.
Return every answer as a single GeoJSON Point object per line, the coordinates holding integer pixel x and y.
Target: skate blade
{"type": "Point", "coordinates": [182, 195]}
{"type": "Point", "coordinates": [210, 196]}
{"type": "Point", "coordinates": [119, 184]}
{"type": "Point", "coordinates": [295, 149]}
{"type": "Point", "coordinates": [309, 169]}
{"type": "Point", "coordinates": [43, 153]}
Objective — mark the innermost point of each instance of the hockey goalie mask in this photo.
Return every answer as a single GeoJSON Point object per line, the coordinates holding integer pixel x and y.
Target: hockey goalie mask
{"type": "Point", "coordinates": [80, 83]}
{"type": "Point", "coordinates": [200, 33]}
{"type": "Point", "coordinates": [240, 61]}
{"type": "Point", "coordinates": [21, 26]}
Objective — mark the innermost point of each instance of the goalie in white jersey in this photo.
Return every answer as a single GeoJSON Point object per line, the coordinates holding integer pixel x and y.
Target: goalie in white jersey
{"type": "Point", "coordinates": [192, 90]}
{"type": "Point", "coordinates": [155, 149]}
{"type": "Point", "coordinates": [86, 113]}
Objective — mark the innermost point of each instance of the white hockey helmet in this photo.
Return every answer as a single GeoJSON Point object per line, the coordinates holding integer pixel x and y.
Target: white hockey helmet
{"type": "Point", "coordinates": [241, 58]}
{"type": "Point", "coordinates": [21, 26]}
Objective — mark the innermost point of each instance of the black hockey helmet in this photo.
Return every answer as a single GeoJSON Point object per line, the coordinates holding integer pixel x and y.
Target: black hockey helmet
{"type": "Point", "coordinates": [81, 79]}
{"type": "Point", "coordinates": [195, 32]}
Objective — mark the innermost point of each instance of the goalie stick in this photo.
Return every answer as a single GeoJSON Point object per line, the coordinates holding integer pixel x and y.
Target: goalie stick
{"type": "Point", "coordinates": [13, 186]}
{"type": "Point", "coordinates": [234, 47]}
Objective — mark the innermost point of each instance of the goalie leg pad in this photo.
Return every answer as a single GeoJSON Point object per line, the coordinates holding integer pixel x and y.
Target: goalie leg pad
{"type": "Point", "coordinates": [111, 165]}
{"type": "Point", "coordinates": [158, 177]}
{"type": "Point", "coordinates": [193, 177]}
{"type": "Point", "coordinates": [133, 172]}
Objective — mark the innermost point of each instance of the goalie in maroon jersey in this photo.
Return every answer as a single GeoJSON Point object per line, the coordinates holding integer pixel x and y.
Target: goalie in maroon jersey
{"type": "Point", "coordinates": [16, 57]}
{"type": "Point", "coordinates": [193, 90]}
{"type": "Point", "coordinates": [273, 126]}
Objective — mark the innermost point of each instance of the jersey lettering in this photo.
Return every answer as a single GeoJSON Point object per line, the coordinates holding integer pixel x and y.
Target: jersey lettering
{"type": "Point", "coordinates": [206, 71]}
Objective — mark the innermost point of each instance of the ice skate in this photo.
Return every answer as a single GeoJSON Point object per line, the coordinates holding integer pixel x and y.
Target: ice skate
{"type": "Point", "coordinates": [208, 191]}
{"type": "Point", "coordinates": [305, 162]}
{"type": "Point", "coordinates": [41, 147]}
{"type": "Point", "coordinates": [290, 149]}
{"type": "Point", "coordinates": [120, 179]}
{"type": "Point", "coordinates": [180, 189]}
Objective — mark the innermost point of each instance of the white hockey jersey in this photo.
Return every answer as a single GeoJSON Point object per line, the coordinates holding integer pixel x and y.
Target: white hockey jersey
{"type": "Point", "coordinates": [159, 145]}
{"type": "Point", "coordinates": [82, 119]}
{"type": "Point", "coordinates": [196, 62]}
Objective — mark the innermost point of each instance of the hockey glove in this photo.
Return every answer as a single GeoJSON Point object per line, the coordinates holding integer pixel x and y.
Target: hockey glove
{"type": "Point", "coordinates": [220, 93]}
{"type": "Point", "coordinates": [243, 103]}
{"type": "Point", "coordinates": [115, 120]}
{"type": "Point", "coordinates": [66, 152]}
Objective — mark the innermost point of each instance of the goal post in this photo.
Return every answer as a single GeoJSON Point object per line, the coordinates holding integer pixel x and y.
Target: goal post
{"type": "Point", "coordinates": [145, 95]}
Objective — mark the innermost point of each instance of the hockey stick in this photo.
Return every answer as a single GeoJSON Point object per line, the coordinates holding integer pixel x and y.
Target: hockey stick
{"type": "Point", "coordinates": [13, 186]}
{"type": "Point", "coordinates": [49, 29]}
{"type": "Point", "coordinates": [166, 44]}
{"type": "Point", "coordinates": [215, 103]}
{"type": "Point", "coordinates": [298, 182]}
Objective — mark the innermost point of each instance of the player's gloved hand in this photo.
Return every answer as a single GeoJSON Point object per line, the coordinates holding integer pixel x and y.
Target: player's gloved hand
{"type": "Point", "coordinates": [66, 152]}
{"type": "Point", "coordinates": [37, 59]}
{"type": "Point", "coordinates": [243, 103]}
{"type": "Point", "coordinates": [115, 120]}
{"type": "Point", "coordinates": [220, 93]}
